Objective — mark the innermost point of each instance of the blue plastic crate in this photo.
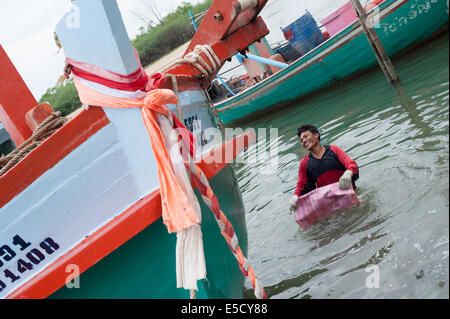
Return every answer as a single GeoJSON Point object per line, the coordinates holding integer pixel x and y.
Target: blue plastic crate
{"type": "Point", "coordinates": [304, 33]}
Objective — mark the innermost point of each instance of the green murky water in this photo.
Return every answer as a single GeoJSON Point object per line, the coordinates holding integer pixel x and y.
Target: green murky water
{"type": "Point", "coordinates": [401, 144]}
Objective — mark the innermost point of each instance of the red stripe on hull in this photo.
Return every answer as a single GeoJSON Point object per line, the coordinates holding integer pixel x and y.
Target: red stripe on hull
{"type": "Point", "coordinates": [50, 152]}
{"type": "Point", "coordinates": [94, 248]}
{"type": "Point", "coordinates": [118, 231]}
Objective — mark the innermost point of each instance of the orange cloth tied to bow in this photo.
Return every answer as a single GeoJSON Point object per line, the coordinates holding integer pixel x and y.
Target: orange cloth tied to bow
{"type": "Point", "coordinates": [177, 211]}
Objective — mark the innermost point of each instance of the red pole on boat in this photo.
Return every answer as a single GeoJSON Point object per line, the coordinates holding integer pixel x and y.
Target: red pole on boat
{"type": "Point", "coordinates": [15, 101]}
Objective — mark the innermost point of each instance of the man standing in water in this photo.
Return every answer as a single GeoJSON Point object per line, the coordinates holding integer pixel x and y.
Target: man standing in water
{"type": "Point", "coordinates": [323, 165]}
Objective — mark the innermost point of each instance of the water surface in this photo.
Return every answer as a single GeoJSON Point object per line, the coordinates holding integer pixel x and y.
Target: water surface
{"type": "Point", "coordinates": [400, 141]}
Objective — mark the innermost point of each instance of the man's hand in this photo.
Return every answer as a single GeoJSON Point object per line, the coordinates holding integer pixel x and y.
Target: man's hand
{"type": "Point", "coordinates": [293, 204]}
{"type": "Point", "coordinates": [345, 182]}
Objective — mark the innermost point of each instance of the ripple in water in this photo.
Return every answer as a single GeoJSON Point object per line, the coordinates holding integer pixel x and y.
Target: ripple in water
{"type": "Point", "coordinates": [400, 142]}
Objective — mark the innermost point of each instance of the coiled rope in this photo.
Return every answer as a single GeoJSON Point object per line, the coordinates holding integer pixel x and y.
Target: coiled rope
{"type": "Point", "coordinates": [49, 126]}
{"type": "Point", "coordinates": [195, 59]}
{"type": "Point", "coordinates": [207, 69]}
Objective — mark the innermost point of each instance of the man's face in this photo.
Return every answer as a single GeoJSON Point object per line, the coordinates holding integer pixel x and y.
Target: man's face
{"type": "Point", "coordinates": [308, 139]}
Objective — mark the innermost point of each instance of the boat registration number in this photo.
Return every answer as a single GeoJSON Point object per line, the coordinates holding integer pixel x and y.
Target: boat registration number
{"type": "Point", "coordinates": [194, 125]}
{"type": "Point", "coordinates": [20, 256]}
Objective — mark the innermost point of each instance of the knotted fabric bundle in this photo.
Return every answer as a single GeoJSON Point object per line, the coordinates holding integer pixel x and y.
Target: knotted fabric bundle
{"type": "Point", "coordinates": [180, 209]}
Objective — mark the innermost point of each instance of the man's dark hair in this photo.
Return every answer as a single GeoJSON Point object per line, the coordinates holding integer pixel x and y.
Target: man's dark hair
{"type": "Point", "coordinates": [307, 127]}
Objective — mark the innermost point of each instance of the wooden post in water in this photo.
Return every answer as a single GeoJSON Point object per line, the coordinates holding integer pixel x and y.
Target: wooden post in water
{"type": "Point", "coordinates": [378, 49]}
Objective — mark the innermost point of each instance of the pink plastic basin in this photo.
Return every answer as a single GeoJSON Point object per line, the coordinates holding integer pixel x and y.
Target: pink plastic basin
{"type": "Point", "coordinates": [339, 19]}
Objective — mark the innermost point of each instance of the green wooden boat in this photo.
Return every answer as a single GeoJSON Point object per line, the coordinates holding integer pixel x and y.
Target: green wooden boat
{"type": "Point", "coordinates": [402, 24]}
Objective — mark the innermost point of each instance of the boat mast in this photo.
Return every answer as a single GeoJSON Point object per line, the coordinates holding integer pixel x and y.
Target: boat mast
{"type": "Point", "coordinates": [94, 32]}
{"type": "Point", "coordinates": [15, 101]}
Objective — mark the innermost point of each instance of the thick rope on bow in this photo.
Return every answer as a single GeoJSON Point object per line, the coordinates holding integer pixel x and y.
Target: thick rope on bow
{"type": "Point", "coordinates": [207, 68]}
{"type": "Point", "coordinates": [49, 126]}
{"type": "Point", "coordinates": [226, 228]}
{"type": "Point", "coordinates": [180, 209]}
{"type": "Point", "coordinates": [195, 59]}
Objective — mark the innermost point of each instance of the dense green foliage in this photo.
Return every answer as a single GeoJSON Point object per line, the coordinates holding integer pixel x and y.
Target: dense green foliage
{"type": "Point", "coordinates": [62, 97]}
{"type": "Point", "coordinates": [152, 44]}
{"type": "Point", "coordinates": [175, 30]}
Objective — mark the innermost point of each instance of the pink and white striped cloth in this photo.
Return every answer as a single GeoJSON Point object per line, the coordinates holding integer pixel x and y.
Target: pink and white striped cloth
{"type": "Point", "coordinates": [322, 202]}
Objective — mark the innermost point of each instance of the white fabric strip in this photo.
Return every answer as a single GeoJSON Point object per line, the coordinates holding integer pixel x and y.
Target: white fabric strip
{"type": "Point", "coordinates": [190, 257]}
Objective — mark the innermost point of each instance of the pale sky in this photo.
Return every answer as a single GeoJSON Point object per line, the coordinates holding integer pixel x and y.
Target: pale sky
{"type": "Point", "coordinates": [26, 34]}
{"type": "Point", "coordinates": [26, 30]}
